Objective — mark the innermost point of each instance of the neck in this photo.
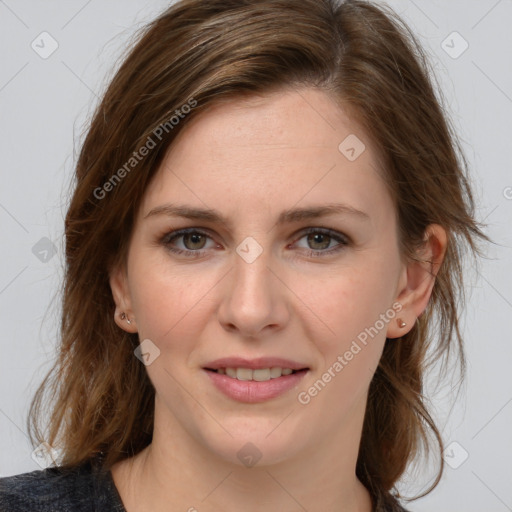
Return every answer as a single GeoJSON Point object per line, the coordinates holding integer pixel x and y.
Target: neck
{"type": "Point", "coordinates": [186, 475]}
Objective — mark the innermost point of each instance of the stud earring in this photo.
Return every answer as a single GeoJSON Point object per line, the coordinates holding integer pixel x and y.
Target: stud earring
{"type": "Point", "coordinates": [124, 317]}
{"type": "Point", "coordinates": [401, 323]}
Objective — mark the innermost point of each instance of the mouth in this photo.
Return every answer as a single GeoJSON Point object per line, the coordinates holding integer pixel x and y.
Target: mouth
{"type": "Point", "coordinates": [257, 374]}
{"type": "Point", "coordinates": [257, 380]}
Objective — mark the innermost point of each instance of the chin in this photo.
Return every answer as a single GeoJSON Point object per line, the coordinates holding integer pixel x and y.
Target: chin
{"type": "Point", "coordinates": [256, 445]}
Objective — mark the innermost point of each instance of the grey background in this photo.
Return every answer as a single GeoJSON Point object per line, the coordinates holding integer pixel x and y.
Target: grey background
{"type": "Point", "coordinates": [44, 106]}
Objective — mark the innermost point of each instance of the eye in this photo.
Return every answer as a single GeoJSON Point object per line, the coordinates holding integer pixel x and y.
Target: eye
{"type": "Point", "coordinates": [319, 241]}
{"type": "Point", "coordinates": [193, 241]}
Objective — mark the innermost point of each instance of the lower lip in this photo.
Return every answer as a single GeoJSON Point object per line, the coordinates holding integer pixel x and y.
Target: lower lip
{"type": "Point", "coordinates": [251, 391]}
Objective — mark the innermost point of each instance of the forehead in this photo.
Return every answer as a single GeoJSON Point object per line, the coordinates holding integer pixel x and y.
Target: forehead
{"type": "Point", "coordinates": [250, 155]}
{"type": "Point", "coordinates": [293, 118]}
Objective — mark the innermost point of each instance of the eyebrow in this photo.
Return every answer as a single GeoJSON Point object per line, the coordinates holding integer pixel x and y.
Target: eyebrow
{"type": "Point", "coordinates": [287, 216]}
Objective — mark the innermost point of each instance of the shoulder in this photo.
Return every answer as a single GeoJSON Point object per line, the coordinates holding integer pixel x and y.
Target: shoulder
{"type": "Point", "coordinates": [56, 489]}
{"type": "Point", "coordinates": [46, 490]}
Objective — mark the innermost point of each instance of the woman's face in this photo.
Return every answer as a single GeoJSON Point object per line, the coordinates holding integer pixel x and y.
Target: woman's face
{"type": "Point", "coordinates": [316, 291]}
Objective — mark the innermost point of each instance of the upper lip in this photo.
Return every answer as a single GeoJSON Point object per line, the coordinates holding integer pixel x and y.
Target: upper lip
{"type": "Point", "coordinates": [254, 364]}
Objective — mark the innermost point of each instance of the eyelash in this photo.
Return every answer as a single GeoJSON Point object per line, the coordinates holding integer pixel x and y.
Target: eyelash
{"type": "Point", "coordinates": [168, 238]}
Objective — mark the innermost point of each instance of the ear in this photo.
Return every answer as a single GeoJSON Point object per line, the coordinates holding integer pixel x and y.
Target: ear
{"type": "Point", "coordinates": [417, 280]}
{"type": "Point", "coordinates": [121, 294]}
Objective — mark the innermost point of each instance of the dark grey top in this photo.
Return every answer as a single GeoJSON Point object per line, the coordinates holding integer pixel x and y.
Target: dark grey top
{"type": "Point", "coordinates": [82, 489]}
{"type": "Point", "coordinates": [85, 488]}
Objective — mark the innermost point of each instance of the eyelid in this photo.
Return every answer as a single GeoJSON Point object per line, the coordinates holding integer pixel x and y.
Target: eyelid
{"type": "Point", "coordinates": [303, 231]}
{"type": "Point", "coordinates": [178, 233]}
{"type": "Point", "coordinates": [333, 233]}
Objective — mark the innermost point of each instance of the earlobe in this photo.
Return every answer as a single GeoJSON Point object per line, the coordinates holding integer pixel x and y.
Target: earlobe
{"type": "Point", "coordinates": [418, 279]}
{"type": "Point", "coordinates": [399, 327]}
{"type": "Point", "coordinates": [123, 315]}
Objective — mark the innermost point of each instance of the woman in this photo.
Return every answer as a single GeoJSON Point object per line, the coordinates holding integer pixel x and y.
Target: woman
{"type": "Point", "coordinates": [263, 245]}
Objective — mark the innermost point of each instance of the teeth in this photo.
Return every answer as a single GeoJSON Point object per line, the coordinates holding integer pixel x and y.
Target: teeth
{"type": "Point", "coordinates": [231, 372]}
{"type": "Point", "coordinates": [244, 374]}
{"type": "Point", "coordinates": [275, 372]}
{"type": "Point", "coordinates": [259, 375]}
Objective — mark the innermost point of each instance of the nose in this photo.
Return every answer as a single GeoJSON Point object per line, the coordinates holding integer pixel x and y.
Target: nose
{"type": "Point", "coordinates": [255, 297]}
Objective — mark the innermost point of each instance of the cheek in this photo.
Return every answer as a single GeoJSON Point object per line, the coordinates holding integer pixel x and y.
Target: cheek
{"type": "Point", "coordinates": [167, 299]}
{"type": "Point", "coordinates": [347, 341]}
{"type": "Point", "coordinates": [349, 315]}
{"type": "Point", "coordinates": [345, 303]}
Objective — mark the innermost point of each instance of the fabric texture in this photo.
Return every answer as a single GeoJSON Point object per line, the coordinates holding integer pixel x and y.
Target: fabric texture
{"type": "Point", "coordinates": [87, 488]}
{"type": "Point", "coordinates": [82, 489]}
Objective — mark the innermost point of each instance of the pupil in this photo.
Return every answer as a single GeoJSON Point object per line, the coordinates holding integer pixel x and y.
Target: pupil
{"type": "Point", "coordinates": [195, 238]}
{"type": "Point", "coordinates": [317, 238]}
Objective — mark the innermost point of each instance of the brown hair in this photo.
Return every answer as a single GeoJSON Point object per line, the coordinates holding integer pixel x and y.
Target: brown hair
{"type": "Point", "coordinates": [198, 53]}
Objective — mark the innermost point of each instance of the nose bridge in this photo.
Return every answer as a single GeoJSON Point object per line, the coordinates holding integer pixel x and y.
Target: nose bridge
{"type": "Point", "coordinates": [254, 298]}
{"type": "Point", "coordinates": [252, 277]}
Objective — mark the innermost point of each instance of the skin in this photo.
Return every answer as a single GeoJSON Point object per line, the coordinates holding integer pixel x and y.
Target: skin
{"type": "Point", "coordinates": [252, 159]}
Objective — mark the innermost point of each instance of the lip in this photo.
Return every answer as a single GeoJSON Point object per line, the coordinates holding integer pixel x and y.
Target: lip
{"type": "Point", "coordinates": [254, 364]}
{"type": "Point", "coordinates": [249, 391]}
